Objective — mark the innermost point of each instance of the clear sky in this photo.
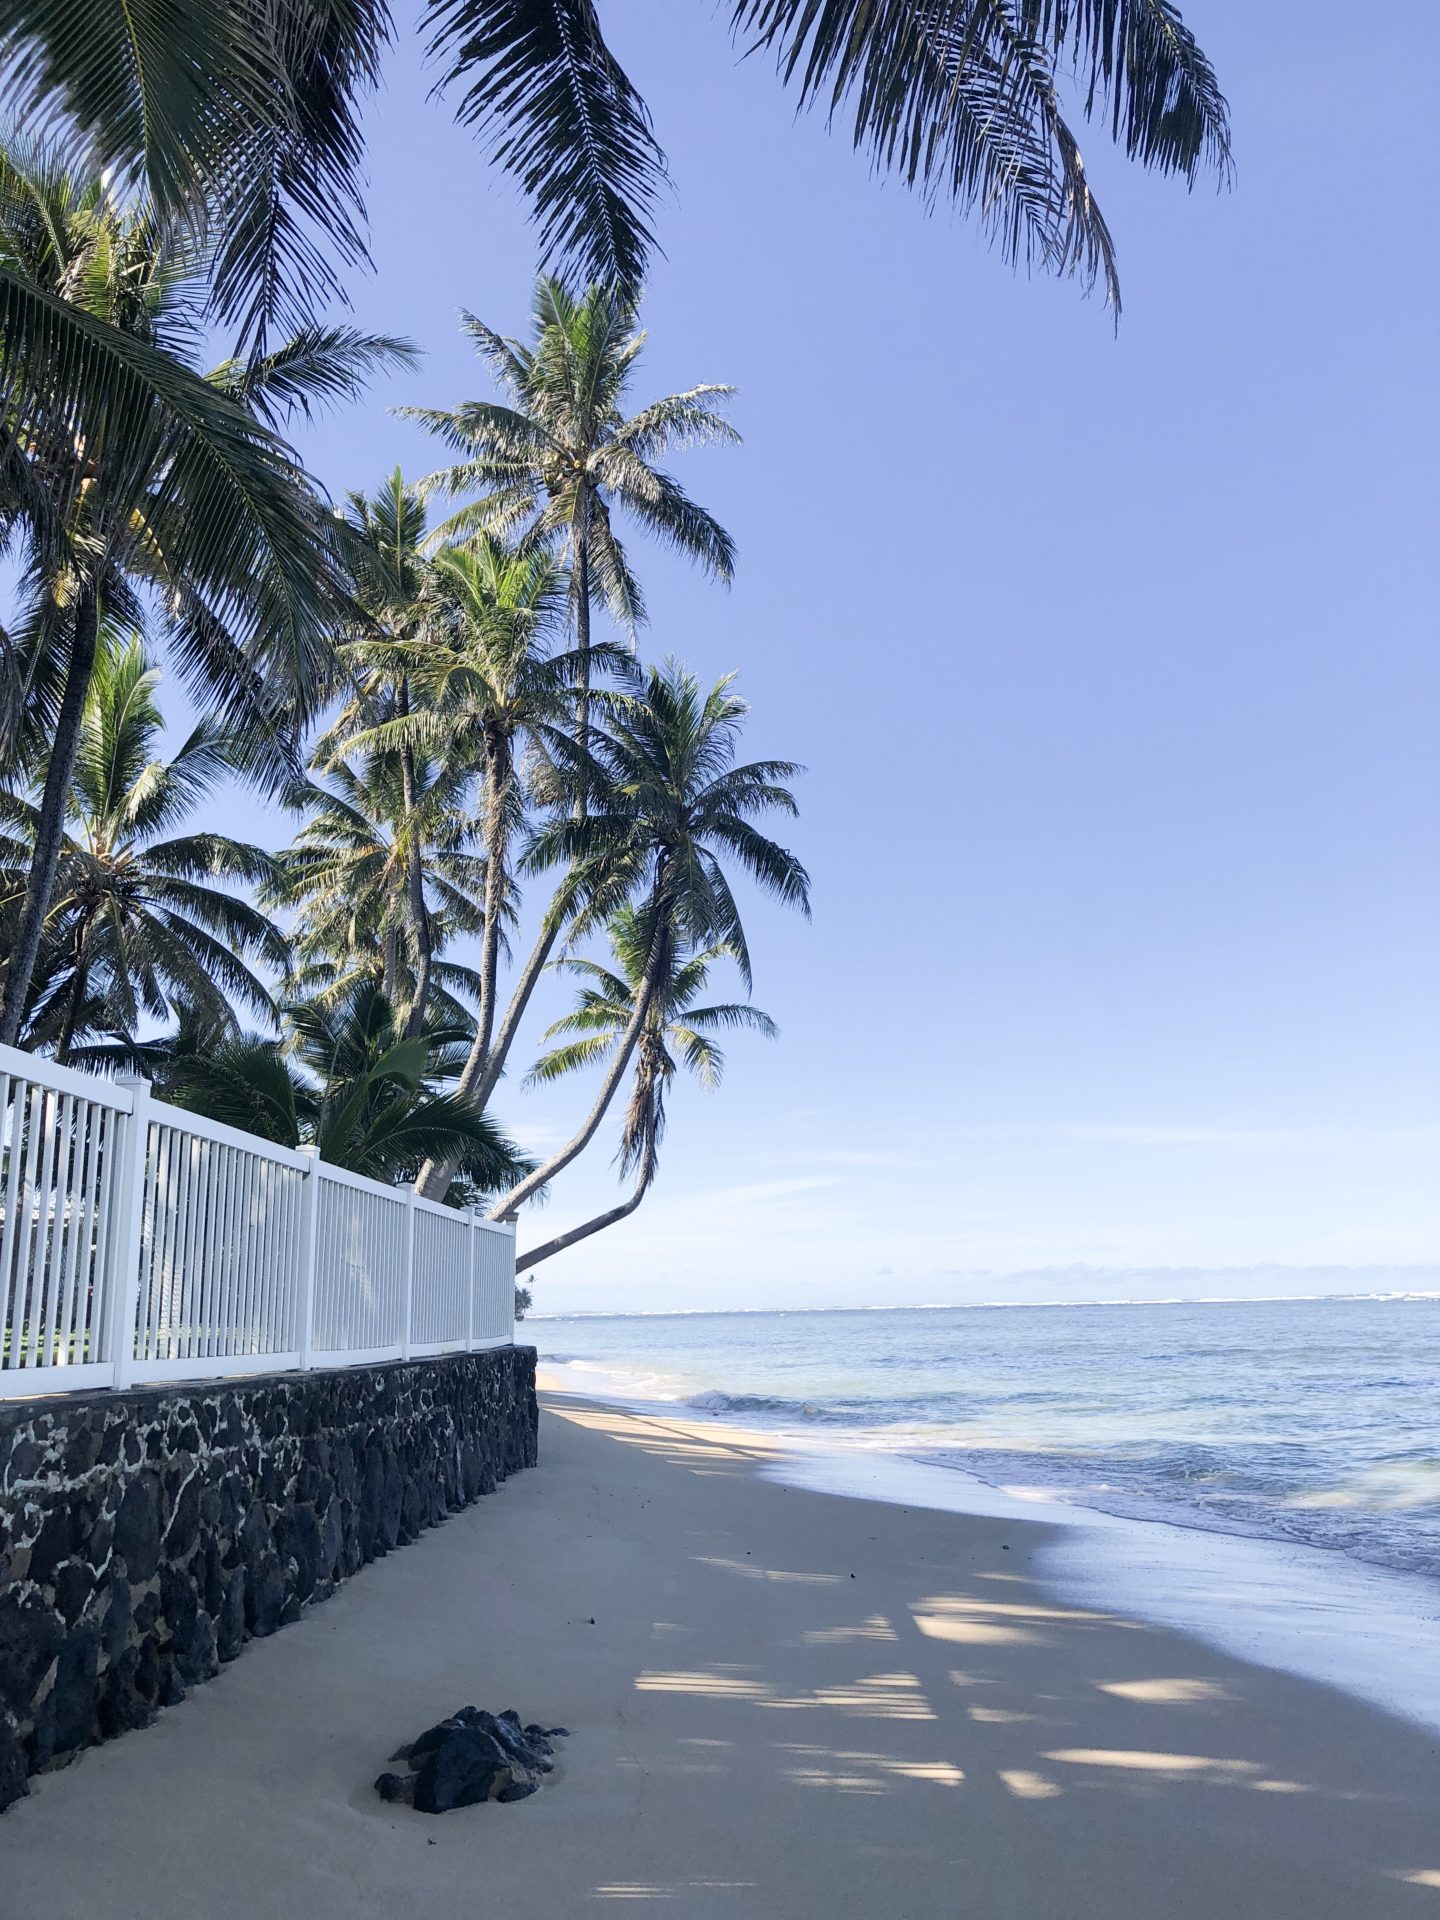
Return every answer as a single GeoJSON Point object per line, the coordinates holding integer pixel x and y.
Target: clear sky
{"type": "Point", "coordinates": [1113, 662]}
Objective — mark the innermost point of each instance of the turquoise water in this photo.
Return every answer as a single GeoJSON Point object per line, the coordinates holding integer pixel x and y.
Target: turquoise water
{"type": "Point", "coordinates": [1314, 1421]}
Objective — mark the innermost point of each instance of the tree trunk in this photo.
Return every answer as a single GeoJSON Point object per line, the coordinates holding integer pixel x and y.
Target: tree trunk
{"type": "Point", "coordinates": [497, 800]}
{"type": "Point", "coordinates": [655, 964]}
{"type": "Point", "coordinates": [50, 825]}
{"type": "Point", "coordinates": [419, 912]}
{"type": "Point", "coordinates": [482, 1072]}
{"type": "Point", "coordinates": [433, 1179]}
{"type": "Point", "coordinates": [485, 1063]}
{"type": "Point", "coordinates": [643, 1181]}
{"type": "Point", "coordinates": [601, 1220]}
{"type": "Point", "coordinates": [580, 535]}
{"type": "Point", "coordinates": [76, 998]}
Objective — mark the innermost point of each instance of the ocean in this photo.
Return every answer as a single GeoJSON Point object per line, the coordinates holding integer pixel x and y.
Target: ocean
{"type": "Point", "coordinates": [1266, 1473]}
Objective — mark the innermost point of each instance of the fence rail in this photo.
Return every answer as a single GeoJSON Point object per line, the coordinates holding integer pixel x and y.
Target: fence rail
{"type": "Point", "coordinates": [139, 1242]}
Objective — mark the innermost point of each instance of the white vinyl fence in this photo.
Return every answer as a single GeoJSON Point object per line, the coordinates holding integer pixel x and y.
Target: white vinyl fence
{"type": "Point", "coordinates": [139, 1242]}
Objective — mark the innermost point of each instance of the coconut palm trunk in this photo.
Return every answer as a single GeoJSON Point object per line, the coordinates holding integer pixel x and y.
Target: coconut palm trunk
{"type": "Point", "coordinates": [415, 869]}
{"type": "Point", "coordinates": [480, 1072]}
{"type": "Point", "coordinates": [50, 826]}
{"type": "Point", "coordinates": [597, 1224]}
{"type": "Point", "coordinates": [75, 1000]}
{"type": "Point", "coordinates": [656, 966]}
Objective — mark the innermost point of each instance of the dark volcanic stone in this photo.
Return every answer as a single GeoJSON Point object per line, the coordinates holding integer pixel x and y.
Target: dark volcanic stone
{"type": "Point", "coordinates": [30, 1637]}
{"type": "Point", "coordinates": [137, 1527]}
{"type": "Point", "coordinates": [74, 1695]}
{"type": "Point", "coordinates": [59, 1538]}
{"type": "Point", "coordinates": [12, 1768]}
{"type": "Point", "coordinates": [469, 1757]}
{"type": "Point", "coordinates": [459, 1772]}
{"type": "Point", "coordinates": [74, 1583]}
{"type": "Point", "coordinates": [264, 1598]}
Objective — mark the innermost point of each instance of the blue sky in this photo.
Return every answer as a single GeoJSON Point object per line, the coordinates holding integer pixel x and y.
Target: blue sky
{"type": "Point", "coordinates": [1112, 660]}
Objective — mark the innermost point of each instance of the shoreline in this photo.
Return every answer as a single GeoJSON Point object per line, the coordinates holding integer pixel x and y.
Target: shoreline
{"type": "Point", "coordinates": [782, 1705]}
{"type": "Point", "coordinates": [1368, 1629]}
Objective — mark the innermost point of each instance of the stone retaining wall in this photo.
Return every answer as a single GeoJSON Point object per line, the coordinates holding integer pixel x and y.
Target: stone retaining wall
{"type": "Point", "coordinates": [145, 1536]}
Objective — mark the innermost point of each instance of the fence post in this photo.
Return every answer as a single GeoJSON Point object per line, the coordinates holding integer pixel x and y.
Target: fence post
{"type": "Point", "coordinates": [309, 1252]}
{"type": "Point", "coordinates": [129, 1191]}
{"type": "Point", "coordinates": [514, 1279]}
{"type": "Point", "coordinates": [470, 1251]}
{"type": "Point", "coordinates": [406, 1338]}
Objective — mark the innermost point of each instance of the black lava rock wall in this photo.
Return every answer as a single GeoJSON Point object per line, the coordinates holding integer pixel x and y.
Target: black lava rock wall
{"type": "Point", "coordinates": [145, 1536]}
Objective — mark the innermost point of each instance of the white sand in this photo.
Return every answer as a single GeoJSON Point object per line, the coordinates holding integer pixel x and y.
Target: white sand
{"type": "Point", "coordinates": [756, 1732]}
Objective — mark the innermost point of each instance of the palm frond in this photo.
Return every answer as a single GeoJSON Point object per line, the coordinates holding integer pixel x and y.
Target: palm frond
{"type": "Point", "coordinates": [564, 120]}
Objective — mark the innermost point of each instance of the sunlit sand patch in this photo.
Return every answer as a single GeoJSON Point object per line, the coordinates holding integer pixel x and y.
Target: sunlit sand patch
{"type": "Point", "coordinates": [1024, 1785]}
{"type": "Point", "coordinates": [880, 1696]}
{"type": "Point", "coordinates": [652, 1890]}
{"type": "Point", "coordinates": [1417, 1877]}
{"type": "Point", "coordinates": [1177, 1766]}
{"type": "Point", "coordinates": [997, 1716]}
{"type": "Point", "coordinates": [719, 1683]}
{"type": "Point", "coordinates": [1166, 1693]}
{"type": "Point", "coordinates": [675, 1443]}
{"type": "Point", "coordinates": [877, 1627]}
{"type": "Point", "coordinates": [749, 1571]}
{"type": "Point", "coordinates": [975, 1633]}
{"type": "Point", "coordinates": [995, 1622]}
{"type": "Point", "coordinates": [1278, 1786]}
{"type": "Point", "coordinates": [957, 1678]}
{"type": "Point", "coordinates": [864, 1772]}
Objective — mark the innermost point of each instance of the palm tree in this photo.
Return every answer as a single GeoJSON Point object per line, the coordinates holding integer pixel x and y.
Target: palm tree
{"type": "Point", "coordinates": [251, 116]}
{"type": "Point", "coordinates": [380, 540]}
{"type": "Point", "coordinates": [347, 874]}
{"type": "Point", "coordinates": [489, 695]}
{"type": "Point", "coordinates": [562, 457]}
{"type": "Point", "coordinates": [141, 492]}
{"type": "Point", "coordinates": [677, 808]}
{"type": "Point", "coordinates": [556, 465]}
{"type": "Point", "coordinates": [674, 1026]}
{"type": "Point", "coordinates": [137, 922]}
{"type": "Point", "coordinates": [349, 1082]}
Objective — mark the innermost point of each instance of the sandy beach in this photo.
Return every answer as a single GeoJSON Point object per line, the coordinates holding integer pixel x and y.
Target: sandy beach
{"type": "Point", "coordinates": [783, 1704]}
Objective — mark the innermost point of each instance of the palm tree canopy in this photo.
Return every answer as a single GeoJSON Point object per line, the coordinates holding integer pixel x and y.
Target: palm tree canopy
{"type": "Point", "coordinates": [122, 458]}
{"type": "Point", "coordinates": [348, 1083]}
{"type": "Point", "coordinates": [252, 115]}
{"type": "Point", "coordinates": [560, 454]}
{"type": "Point", "coordinates": [675, 810]}
{"type": "Point", "coordinates": [674, 1025]}
{"type": "Point", "coordinates": [345, 870]}
{"type": "Point", "coordinates": [381, 1112]}
{"type": "Point", "coordinates": [145, 917]}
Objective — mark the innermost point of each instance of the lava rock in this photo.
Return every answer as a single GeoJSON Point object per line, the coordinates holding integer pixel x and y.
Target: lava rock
{"type": "Point", "coordinates": [469, 1757]}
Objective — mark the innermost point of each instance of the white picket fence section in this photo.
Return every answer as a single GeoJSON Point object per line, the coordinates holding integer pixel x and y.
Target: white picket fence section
{"type": "Point", "coordinates": [139, 1242]}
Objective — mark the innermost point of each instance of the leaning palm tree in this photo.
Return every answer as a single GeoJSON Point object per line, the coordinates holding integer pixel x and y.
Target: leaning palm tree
{"type": "Point", "coordinates": [348, 1082]}
{"type": "Point", "coordinates": [678, 809]}
{"type": "Point", "coordinates": [144, 918]}
{"type": "Point", "coordinates": [141, 492]}
{"type": "Point", "coordinates": [676, 1031]}
{"type": "Point", "coordinates": [250, 117]}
